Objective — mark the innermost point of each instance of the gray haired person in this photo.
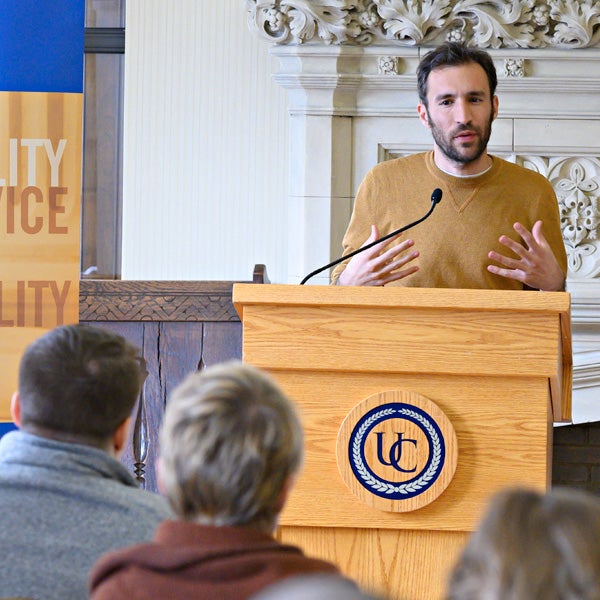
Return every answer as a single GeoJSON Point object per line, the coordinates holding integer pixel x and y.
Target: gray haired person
{"type": "Point", "coordinates": [231, 446]}
{"type": "Point", "coordinates": [66, 499]}
{"type": "Point", "coordinates": [532, 545]}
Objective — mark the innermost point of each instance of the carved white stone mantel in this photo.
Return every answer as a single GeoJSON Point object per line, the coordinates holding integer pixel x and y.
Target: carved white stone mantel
{"type": "Point", "coordinates": [349, 69]}
{"type": "Point", "coordinates": [483, 23]}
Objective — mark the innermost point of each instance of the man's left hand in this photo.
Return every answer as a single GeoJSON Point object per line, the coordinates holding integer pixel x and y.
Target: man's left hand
{"type": "Point", "coordinates": [536, 266]}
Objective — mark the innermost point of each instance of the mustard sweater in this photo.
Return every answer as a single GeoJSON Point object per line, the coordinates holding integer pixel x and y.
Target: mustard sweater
{"type": "Point", "coordinates": [474, 212]}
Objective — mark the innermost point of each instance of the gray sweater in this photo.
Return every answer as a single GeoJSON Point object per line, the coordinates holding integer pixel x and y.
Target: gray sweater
{"type": "Point", "coordinates": [62, 506]}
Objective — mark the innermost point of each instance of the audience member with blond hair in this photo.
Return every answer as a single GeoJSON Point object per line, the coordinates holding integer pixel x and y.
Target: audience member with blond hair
{"type": "Point", "coordinates": [231, 445]}
{"type": "Point", "coordinates": [532, 546]}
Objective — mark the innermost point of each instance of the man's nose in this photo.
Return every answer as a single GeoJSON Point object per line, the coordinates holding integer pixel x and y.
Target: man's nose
{"type": "Point", "coordinates": [462, 112]}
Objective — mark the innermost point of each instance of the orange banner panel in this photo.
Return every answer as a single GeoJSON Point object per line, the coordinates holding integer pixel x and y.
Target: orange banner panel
{"type": "Point", "coordinates": [40, 199]}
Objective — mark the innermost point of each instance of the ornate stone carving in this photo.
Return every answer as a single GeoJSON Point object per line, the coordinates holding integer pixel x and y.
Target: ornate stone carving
{"type": "Point", "coordinates": [514, 67]}
{"type": "Point", "coordinates": [482, 23]}
{"type": "Point", "coordinates": [576, 181]}
{"type": "Point", "coordinates": [389, 65]}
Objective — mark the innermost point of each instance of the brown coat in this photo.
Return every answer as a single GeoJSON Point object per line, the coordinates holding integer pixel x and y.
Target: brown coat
{"type": "Point", "coordinates": [186, 561]}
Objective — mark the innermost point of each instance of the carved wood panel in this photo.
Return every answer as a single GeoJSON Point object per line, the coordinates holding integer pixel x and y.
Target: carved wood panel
{"type": "Point", "coordinates": [180, 327]}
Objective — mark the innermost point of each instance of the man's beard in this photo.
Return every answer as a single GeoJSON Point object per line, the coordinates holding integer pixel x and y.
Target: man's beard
{"type": "Point", "coordinates": [463, 155]}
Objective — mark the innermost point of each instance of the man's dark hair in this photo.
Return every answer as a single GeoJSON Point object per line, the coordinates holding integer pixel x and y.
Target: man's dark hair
{"type": "Point", "coordinates": [78, 383]}
{"type": "Point", "coordinates": [453, 54]}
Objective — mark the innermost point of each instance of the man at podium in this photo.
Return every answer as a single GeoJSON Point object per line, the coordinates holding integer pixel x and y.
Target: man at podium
{"type": "Point", "coordinates": [498, 225]}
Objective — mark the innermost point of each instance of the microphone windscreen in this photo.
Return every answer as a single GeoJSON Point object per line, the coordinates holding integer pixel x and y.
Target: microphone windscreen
{"type": "Point", "coordinates": [436, 195]}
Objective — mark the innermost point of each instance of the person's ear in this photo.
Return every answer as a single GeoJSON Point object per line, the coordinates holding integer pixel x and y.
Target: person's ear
{"type": "Point", "coordinates": [15, 409]}
{"type": "Point", "coordinates": [494, 107]}
{"type": "Point", "coordinates": [121, 435]}
{"type": "Point", "coordinates": [423, 116]}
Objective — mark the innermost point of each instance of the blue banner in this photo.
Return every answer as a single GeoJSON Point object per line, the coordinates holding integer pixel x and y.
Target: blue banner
{"type": "Point", "coordinates": [41, 45]}
{"type": "Point", "coordinates": [41, 105]}
{"type": "Point", "coordinates": [6, 427]}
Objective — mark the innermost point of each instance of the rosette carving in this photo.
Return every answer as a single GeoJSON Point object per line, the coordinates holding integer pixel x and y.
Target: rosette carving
{"type": "Point", "coordinates": [482, 23]}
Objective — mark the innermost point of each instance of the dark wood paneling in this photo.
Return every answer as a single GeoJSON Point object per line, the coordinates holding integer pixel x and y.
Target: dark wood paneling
{"type": "Point", "coordinates": [180, 350]}
{"type": "Point", "coordinates": [180, 327]}
{"type": "Point", "coordinates": [222, 341]}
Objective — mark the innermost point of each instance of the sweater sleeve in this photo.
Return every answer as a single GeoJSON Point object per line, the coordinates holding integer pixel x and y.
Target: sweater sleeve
{"type": "Point", "coordinates": [359, 228]}
{"type": "Point", "coordinates": [552, 230]}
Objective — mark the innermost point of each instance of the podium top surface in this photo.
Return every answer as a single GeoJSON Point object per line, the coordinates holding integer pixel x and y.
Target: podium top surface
{"type": "Point", "coordinates": [319, 295]}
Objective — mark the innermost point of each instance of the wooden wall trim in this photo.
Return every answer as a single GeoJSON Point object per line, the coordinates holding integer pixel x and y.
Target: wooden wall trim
{"type": "Point", "coordinates": [118, 300]}
{"type": "Point", "coordinates": [106, 300]}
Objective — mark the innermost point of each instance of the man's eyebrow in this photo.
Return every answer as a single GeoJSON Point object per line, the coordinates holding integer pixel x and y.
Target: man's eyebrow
{"type": "Point", "coordinates": [446, 95]}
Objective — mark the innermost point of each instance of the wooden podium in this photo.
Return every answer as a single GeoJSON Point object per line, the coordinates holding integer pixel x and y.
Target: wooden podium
{"type": "Point", "coordinates": [497, 363]}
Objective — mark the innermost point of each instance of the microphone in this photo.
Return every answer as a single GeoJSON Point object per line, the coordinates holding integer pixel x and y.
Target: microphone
{"type": "Point", "coordinates": [436, 196]}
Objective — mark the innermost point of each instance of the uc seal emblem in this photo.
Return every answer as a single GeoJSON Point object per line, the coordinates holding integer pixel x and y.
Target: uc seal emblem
{"type": "Point", "coordinates": [397, 451]}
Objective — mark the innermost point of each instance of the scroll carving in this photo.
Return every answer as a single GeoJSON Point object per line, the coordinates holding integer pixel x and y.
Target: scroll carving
{"type": "Point", "coordinates": [576, 181]}
{"type": "Point", "coordinates": [482, 23]}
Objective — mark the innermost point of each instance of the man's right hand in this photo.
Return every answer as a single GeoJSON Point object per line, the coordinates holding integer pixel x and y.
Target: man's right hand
{"type": "Point", "coordinates": [381, 264]}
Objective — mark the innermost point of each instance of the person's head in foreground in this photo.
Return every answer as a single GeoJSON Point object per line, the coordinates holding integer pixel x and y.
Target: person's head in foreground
{"type": "Point", "coordinates": [531, 546]}
{"type": "Point", "coordinates": [69, 498]}
{"type": "Point", "coordinates": [231, 444]}
{"type": "Point", "coordinates": [78, 384]}
{"type": "Point", "coordinates": [317, 586]}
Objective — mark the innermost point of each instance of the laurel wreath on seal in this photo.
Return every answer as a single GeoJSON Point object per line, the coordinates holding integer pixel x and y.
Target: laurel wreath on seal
{"type": "Point", "coordinates": [383, 486]}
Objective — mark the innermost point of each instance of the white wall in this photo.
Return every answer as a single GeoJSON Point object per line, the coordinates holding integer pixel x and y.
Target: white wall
{"type": "Point", "coordinates": [205, 148]}
{"type": "Point", "coordinates": [207, 192]}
